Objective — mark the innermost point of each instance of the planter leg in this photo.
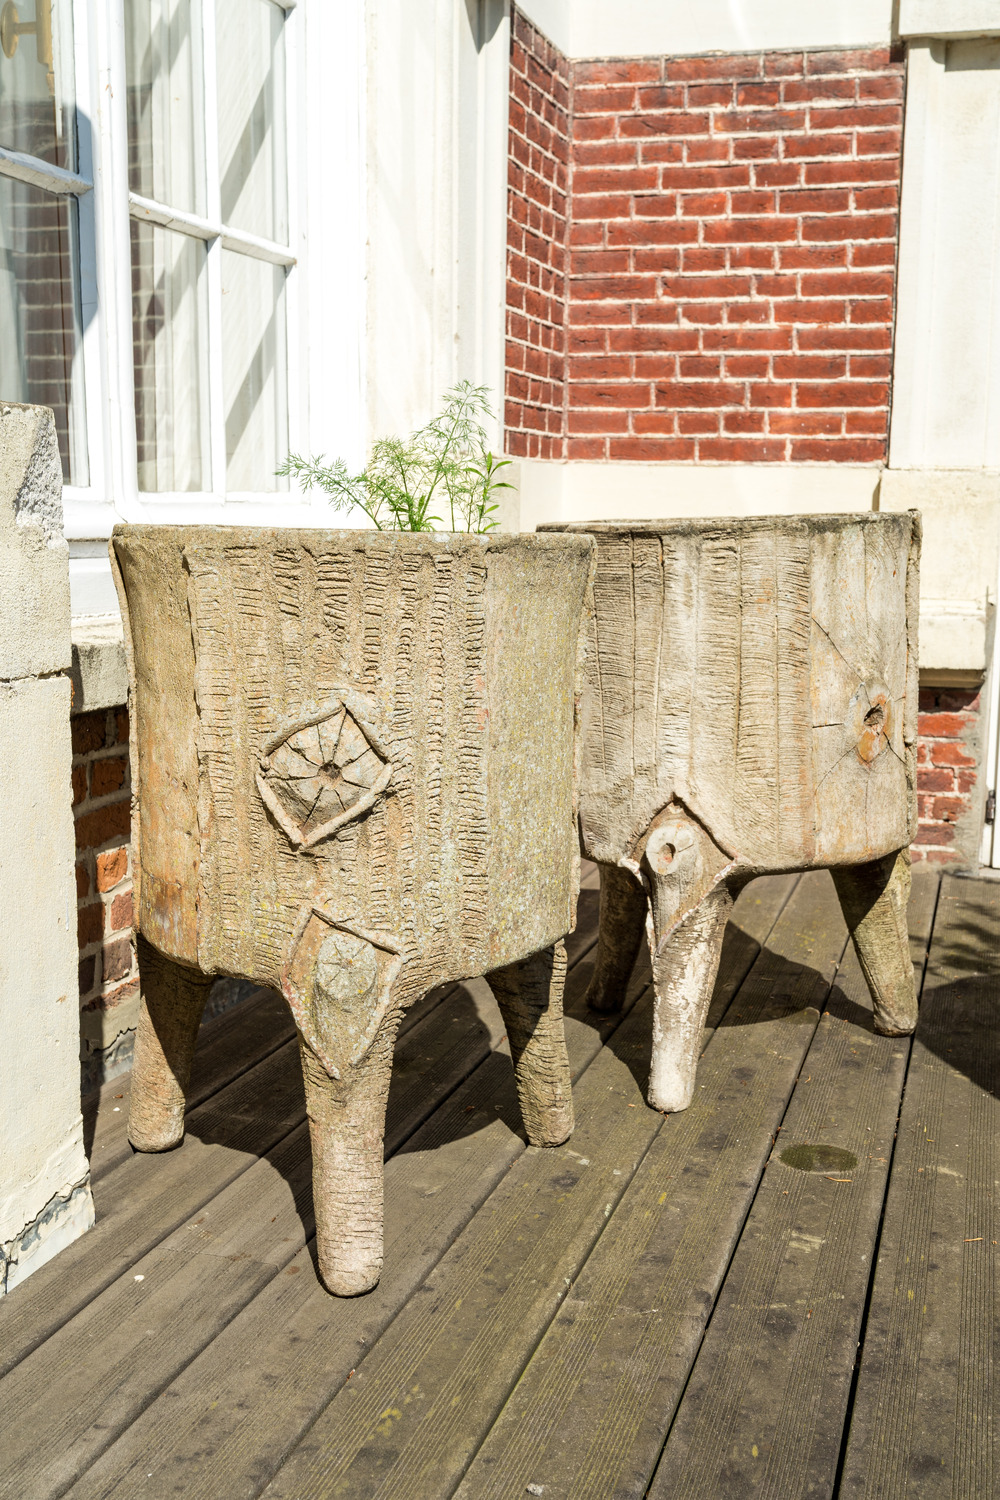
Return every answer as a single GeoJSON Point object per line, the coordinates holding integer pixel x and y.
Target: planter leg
{"type": "Point", "coordinates": [874, 898]}
{"type": "Point", "coordinates": [686, 931]}
{"type": "Point", "coordinates": [684, 971]}
{"type": "Point", "coordinates": [530, 996]}
{"type": "Point", "coordinates": [173, 1000]}
{"type": "Point", "coordinates": [622, 923]}
{"type": "Point", "coordinates": [346, 1129]}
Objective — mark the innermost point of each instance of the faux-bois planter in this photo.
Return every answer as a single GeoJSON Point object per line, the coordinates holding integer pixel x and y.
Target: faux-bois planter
{"type": "Point", "coordinates": [354, 780]}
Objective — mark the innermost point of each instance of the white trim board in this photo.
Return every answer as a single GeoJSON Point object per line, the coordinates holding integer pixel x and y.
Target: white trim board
{"type": "Point", "coordinates": [677, 28]}
{"type": "Point", "coordinates": [555, 491]}
{"type": "Point", "coordinates": [949, 18]}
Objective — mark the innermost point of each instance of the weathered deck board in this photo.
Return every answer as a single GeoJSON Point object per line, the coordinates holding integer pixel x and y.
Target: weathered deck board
{"type": "Point", "coordinates": [228, 1046]}
{"type": "Point", "coordinates": [588, 1416]}
{"type": "Point", "coordinates": [472, 1139]}
{"type": "Point", "coordinates": [227, 1422]}
{"type": "Point", "coordinates": [413, 1415]}
{"type": "Point", "coordinates": [227, 1372]}
{"type": "Point", "coordinates": [925, 1414]}
{"type": "Point", "coordinates": [148, 1196]}
{"type": "Point", "coordinates": [253, 1030]}
{"type": "Point", "coordinates": [763, 1412]}
{"type": "Point", "coordinates": [230, 1131]}
{"type": "Point", "coordinates": [189, 1289]}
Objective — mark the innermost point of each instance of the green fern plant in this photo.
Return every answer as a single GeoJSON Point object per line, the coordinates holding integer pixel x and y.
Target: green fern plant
{"type": "Point", "coordinates": [443, 475]}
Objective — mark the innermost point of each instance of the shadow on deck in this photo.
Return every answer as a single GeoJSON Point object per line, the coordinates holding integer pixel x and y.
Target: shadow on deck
{"type": "Point", "coordinates": [788, 1290]}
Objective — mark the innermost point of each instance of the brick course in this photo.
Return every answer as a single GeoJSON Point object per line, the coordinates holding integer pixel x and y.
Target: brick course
{"type": "Point", "coordinates": [109, 976]}
{"type": "Point", "coordinates": [102, 798]}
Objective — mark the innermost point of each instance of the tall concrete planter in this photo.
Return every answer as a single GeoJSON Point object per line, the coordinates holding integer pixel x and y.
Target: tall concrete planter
{"type": "Point", "coordinates": [750, 706]}
{"type": "Point", "coordinates": [354, 773]}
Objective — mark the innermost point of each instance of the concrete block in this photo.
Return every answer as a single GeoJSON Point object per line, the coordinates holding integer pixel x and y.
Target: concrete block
{"type": "Point", "coordinates": [44, 1181]}
{"type": "Point", "coordinates": [99, 671]}
{"type": "Point", "coordinates": [949, 18]}
{"type": "Point", "coordinates": [639, 28]}
{"type": "Point", "coordinates": [946, 365]}
{"type": "Point", "coordinates": [45, 1199]}
{"type": "Point", "coordinates": [34, 576]}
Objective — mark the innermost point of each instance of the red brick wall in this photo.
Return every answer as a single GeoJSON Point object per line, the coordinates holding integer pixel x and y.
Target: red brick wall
{"type": "Point", "coordinates": [538, 177]}
{"type": "Point", "coordinates": [731, 255]}
{"type": "Point", "coordinates": [101, 801]}
{"type": "Point", "coordinates": [733, 246]}
{"type": "Point", "coordinates": [949, 804]}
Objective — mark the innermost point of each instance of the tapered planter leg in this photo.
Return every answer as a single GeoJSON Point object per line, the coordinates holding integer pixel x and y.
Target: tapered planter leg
{"type": "Point", "coordinates": [684, 969]}
{"type": "Point", "coordinates": [622, 923]}
{"type": "Point", "coordinates": [874, 899]}
{"type": "Point", "coordinates": [347, 1129]}
{"type": "Point", "coordinates": [173, 1001]}
{"type": "Point", "coordinates": [530, 996]}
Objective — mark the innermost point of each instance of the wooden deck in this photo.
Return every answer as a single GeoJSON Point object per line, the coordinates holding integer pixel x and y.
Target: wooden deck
{"type": "Point", "coordinates": [667, 1306]}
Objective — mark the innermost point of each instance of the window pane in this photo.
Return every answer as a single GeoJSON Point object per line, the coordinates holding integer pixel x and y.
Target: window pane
{"type": "Point", "coordinates": [251, 82]}
{"type": "Point", "coordinates": [165, 109]}
{"type": "Point", "coordinates": [169, 351]}
{"type": "Point", "coordinates": [39, 332]}
{"type": "Point", "coordinates": [36, 80]}
{"type": "Point", "coordinates": [253, 355]}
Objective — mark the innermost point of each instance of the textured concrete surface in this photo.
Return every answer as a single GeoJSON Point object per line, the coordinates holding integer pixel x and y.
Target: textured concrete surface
{"type": "Point", "coordinates": [45, 1200]}
{"type": "Point", "coordinates": [99, 670]}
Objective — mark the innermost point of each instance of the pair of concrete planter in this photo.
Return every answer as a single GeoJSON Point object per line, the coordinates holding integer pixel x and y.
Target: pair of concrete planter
{"type": "Point", "coordinates": [364, 764]}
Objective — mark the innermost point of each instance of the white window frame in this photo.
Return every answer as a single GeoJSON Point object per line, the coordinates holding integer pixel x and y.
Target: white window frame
{"type": "Point", "coordinates": [218, 237]}
{"type": "Point", "coordinates": [106, 208]}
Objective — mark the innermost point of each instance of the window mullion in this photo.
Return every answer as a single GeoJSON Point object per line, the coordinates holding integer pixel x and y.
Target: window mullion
{"type": "Point", "coordinates": [213, 268]}
{"type": "Point", "coordinates": [148, 211]}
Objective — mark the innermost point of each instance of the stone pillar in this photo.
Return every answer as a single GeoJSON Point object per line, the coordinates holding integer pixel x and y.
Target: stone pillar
{"type": "Point", "coordinates": [45, 1199]}
{"type": "Point", "coordinates": [944, 448]}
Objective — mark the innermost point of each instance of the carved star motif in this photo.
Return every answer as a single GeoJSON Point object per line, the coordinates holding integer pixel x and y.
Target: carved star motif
{"type": "Point", "coordinates": [323, 775]}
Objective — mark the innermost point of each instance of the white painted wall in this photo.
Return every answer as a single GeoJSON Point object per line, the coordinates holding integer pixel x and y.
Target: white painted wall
{"type": "Point", "coordinates": [638, 28]}
{"type": "Point", "coordinates": [946, 378]}
{"type": "Point", "coordinates": [45, 1200]}
{"type": "Point", "coordinates": [951, 18]}
{"type": "Point", "coordinates": [436, 204]}
{"type": "Point", "coordinates": [330, 228]}
{"type": "Point", "coordinates": [959, 563]}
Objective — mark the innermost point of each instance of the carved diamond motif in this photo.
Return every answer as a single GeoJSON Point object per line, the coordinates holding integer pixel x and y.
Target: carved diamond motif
{"type": "Point", "coordinates": [338, 982]}
{"type": "Point", "coordinates": [322, 775]}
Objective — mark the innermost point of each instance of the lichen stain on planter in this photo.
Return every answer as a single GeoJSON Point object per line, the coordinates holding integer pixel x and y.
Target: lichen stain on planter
{"type": "Point", "coordinates": [806, 1158]}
